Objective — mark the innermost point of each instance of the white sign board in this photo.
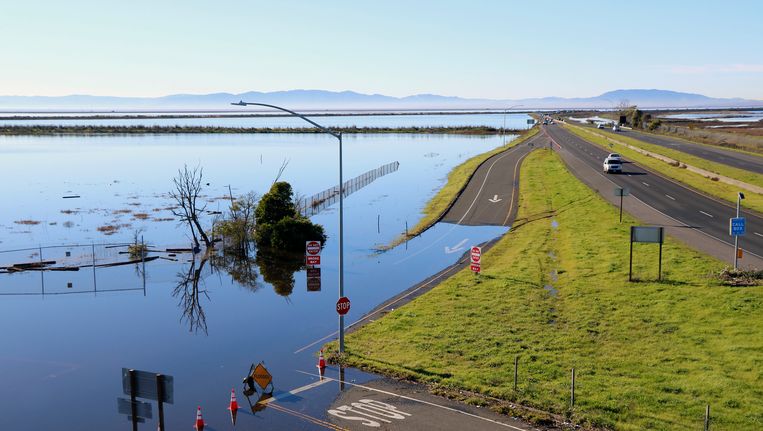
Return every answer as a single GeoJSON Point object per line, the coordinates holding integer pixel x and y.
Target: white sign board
{"type": "Point", "coordinates": [647, 234]}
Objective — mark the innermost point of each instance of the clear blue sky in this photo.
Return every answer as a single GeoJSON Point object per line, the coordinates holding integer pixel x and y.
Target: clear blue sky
{"type": "Point", "coordinates": [470, 48]}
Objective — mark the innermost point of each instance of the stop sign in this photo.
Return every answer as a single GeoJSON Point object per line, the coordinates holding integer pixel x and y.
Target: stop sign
{"type": "Point", "coordinates": [343, 305]}
{"type": "Point", "coordinates": [313, 248]}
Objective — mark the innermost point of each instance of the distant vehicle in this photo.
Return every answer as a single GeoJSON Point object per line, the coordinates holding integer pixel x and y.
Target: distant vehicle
{"type": "Point", "coordinates": [613, 166]}
{"type": "Point", "coordinates": [615, 128]}
{"type": "Point", "coordinates": [599, 126]}
{"type": "Point", "coordinates": [615, 156]}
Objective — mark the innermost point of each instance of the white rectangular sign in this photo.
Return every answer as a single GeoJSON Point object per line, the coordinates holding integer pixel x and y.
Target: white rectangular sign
{"type": "Point", "coordinates": [647, 234]}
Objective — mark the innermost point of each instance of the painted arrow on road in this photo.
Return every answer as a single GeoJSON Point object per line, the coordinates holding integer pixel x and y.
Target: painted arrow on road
{"type": "Point", "coordinates": [456, 248]}
{"type": "Point", "coordinates": [495, 199]}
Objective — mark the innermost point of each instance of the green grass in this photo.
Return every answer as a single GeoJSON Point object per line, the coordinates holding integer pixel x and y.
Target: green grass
{"type": "Point", "coordinates": [457, 179]}
{"type": "Point", "coordinates": [719, 168]}
{"type": "Point", "coordinates": [717, 189]}
{"type": "Point", "coordinates": [648, 354]}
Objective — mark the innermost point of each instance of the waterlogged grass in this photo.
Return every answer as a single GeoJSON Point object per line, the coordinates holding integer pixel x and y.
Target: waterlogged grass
{"type": "Point", "coordinates": [457, 179]}
{"type": "Point", "coordinates": [717, 189]}
{"type": "Point", "coordinates": [648, 354]}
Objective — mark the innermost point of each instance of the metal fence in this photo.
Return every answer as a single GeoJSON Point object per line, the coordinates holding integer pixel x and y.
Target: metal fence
{"type": "Point", "coordinates": [316, 203]}
{"type": "Point", "coordinates": [70, 268]}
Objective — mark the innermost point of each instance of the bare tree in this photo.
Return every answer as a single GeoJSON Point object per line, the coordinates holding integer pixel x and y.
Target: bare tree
{"type": "Point", "coordinates": [186, 195]}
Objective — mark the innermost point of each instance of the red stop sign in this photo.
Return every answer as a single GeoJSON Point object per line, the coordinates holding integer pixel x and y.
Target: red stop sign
{"type": "Point", "coordinates": [343, 305]}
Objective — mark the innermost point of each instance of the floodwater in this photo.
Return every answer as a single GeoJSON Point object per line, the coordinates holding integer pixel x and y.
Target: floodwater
{"type": "Point", "coordinates": [744, 116]}
{"type": "Point", "coordinates": [497, 120]}
{"type": "Point", "coordinates": [67, 335]}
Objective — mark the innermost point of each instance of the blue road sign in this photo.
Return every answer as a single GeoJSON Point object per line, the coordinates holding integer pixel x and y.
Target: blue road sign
{"type": "Point", "coordinates": [737, 226]}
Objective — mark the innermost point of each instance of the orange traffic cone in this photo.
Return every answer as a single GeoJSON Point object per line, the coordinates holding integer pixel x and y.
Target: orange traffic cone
{"type": "Point", "coordinates": [233, 406]}
{"type": "Point", "coordinates": [199, 420]}
{"type": "Point", "coordinates": [321, 365]}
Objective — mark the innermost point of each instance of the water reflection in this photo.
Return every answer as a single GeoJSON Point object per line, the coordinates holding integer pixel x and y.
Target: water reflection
{"type": "Point", "coordinates": [278, 268]}
{"type": "Point", "coordinates": [189, 294]}
{"type": "Point", "coordinates": [241, 268]}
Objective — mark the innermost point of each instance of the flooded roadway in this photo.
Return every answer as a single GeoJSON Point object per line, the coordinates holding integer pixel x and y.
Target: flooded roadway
{"type": "Point", "coordinates": [64, 351]}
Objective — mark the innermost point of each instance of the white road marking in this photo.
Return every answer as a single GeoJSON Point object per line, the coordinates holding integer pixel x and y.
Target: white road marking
{"type": "Point", "coordinates": [707, 214]}
{"type": "Point", "coordinates": [758, 234]}
{"type": "Point", "coordinates": [645, 184]}
{"type": "Point", "coordinates": [495, 199]}
{"type": "Point", "coordinates": [457, 247]}
{"type": "Point", "coordinates": [294, 391]}
{"type": "Point", "coordinates": [670, 197]}
{"type": "Point", "coordinates": [450, 409]}
{"type": "Point", "coordinates": [487, 174]}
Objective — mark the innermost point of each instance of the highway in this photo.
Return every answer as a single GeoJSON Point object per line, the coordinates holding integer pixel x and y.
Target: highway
{"type": "Point", "coordinates": [688, 207]}
{"type": "Point", "coordinates": [490, 197]}
{"type": "Point", "coordinates": [731, 158]}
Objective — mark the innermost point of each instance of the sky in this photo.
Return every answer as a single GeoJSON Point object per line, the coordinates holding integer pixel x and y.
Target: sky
{"type": "Point", "coordinates": [471, 48]}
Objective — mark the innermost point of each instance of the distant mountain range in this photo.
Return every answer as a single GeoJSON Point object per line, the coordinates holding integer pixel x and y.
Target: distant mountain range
{"type": "Point", "coordinates": [349, 100]}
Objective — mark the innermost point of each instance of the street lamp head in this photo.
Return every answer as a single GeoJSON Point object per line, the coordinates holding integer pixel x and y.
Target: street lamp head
{"type": "Point", "coordinates": [239, 103]}
{"type": "Point", "coordinates": [741, 195]}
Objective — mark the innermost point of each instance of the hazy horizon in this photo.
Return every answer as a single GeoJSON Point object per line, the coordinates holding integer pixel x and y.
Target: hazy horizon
{"type": "Point", "coordinates": [484, 50]}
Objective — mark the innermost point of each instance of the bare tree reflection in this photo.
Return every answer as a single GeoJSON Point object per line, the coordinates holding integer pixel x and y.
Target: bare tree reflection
{"type": "Point", "coordinates": [190, 295]}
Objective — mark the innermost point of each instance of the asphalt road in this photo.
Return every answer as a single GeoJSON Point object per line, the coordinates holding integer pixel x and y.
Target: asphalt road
{"type": "Point", "coordinates": [393, 405]}
{"type": "Point", "coordinates": [731, 158]}
{"type": "Point", "coordinates": [679, 202]}
{"type": "Point", "coordinates": [490, 197]}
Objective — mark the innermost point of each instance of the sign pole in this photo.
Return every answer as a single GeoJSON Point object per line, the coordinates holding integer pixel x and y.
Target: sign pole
{"type": "Point", "coordinates": [630, 265]}
{"type": "Point", "coordinates": [659, 266]}
{"type": "Point", "coordinates": [736, 240]}
{"type": "Point", "coordinates": [621, 207]}
{"type": "Point", "coordinates": [160, 395]}
{"type": "Point", "coordinates": [133, 403]}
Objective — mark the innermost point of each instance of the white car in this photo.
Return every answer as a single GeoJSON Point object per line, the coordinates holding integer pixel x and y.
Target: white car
{"type": "Point", "coordinates": [615, 156]}
{"type": "Point", "coordinates": [612, 166]}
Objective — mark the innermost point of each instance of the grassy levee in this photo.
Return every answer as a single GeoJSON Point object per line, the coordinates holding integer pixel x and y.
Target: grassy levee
{"type": "Point", "coordinates": [457, 180]}
{"type": "Point", "coordinates": [719, 190]}
{"type": "Point", "coordinates": [648, 354]}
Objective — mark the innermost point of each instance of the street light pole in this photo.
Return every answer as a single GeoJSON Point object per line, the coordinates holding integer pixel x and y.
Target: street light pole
{"type": "Point", "coordinates": [338, 136]}
{"type": "Point", "coordinates": [503, 129]}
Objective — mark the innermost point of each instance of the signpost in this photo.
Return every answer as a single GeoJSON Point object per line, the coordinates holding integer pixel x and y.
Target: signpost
{"type": "Point", "coordinates": [313, 252]}
{"type": "Point", "coordinates": [476, 259]}
{"type": "Point", "coordinates": [148, 385]}
{"type": "Point", "coordinates": [737, 228]}
{"type": "Point", "coordinates": [622, 191]}
{"type": "Point", "coordinates": [648, 234]}
{"type": "Point", "coordinates": [343, 305]}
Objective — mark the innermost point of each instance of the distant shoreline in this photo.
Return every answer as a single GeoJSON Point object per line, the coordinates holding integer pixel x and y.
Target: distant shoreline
{"type": "Point", "coordinates": [139, 115]}
{"type": "Point", "coordinates": [148, 130]}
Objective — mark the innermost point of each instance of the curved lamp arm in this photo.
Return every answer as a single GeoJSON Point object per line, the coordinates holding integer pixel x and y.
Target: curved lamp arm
{"type": "Point", "coordinates": [329, 131]}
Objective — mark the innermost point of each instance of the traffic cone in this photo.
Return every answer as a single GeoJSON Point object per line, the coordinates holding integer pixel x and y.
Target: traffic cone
{"type": "Point", "coordinates": [233, 406]}
{"type": "Point", "coordinates": [199, 421]}
{"type": "Point", "coordinates": [321, 365]}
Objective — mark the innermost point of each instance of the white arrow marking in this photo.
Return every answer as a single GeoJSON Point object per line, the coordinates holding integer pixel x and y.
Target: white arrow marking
{"type": "Point", "coordinates": [456, 248]}
{"type": "Point", "coordinates": [495, 199]}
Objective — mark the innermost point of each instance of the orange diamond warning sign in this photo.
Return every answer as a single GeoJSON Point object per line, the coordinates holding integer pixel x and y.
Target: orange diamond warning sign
{"type": "Point", "coordinates": [262, 376]}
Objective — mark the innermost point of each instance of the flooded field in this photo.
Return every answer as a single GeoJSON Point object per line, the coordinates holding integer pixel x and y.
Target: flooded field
{"type": "Point", "coordinates": [204, 322]}
{"type": "Point", "coordinates": [510, 120]}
